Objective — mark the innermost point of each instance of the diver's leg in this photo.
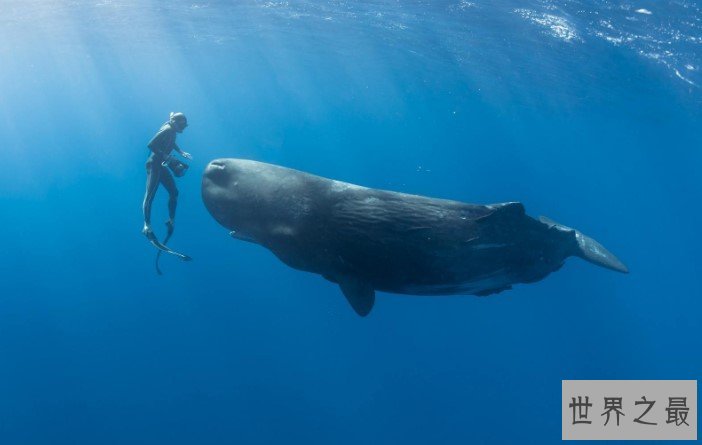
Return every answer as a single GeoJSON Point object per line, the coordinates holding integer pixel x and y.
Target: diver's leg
{"type": "Point", "coordinates": [170, 185]}
{"type": "Point", "coordinates": [153, 173]}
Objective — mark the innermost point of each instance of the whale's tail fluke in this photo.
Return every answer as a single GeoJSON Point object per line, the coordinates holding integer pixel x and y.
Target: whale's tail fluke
{"type": "Point", "coordinates": [589, 249]}
{"type": "Point", "coordinates": [594, 252]}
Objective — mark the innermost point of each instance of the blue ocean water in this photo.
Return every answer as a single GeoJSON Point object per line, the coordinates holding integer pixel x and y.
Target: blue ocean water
{"type": "Point", "coordinates": [585, 111]}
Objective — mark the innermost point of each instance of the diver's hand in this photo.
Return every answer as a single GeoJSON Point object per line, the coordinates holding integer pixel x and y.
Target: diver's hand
{"type": "Point", "coordinates": [186, 155]}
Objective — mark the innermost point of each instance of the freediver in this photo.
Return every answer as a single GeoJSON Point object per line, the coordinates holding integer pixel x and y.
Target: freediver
{"type": "Point", "coordinates": [158, 164]}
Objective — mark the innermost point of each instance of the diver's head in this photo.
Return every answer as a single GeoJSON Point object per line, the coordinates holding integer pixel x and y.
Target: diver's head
{"type": "Point", "coordinates": [178, 121]}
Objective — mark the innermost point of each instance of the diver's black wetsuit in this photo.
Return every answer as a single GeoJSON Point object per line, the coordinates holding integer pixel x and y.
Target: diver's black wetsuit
{"type": "Point", "coordinates": [161, 146]}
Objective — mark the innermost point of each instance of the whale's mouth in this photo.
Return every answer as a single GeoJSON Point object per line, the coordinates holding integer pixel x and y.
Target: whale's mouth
{"type": "Point", "coordinates": [217, 173]}
{"type": "Point", "coordinates": [216, 164]}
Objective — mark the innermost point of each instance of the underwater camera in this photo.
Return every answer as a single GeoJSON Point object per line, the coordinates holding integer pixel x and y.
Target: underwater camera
{"type": "Point", "coordinates": [178, 168]}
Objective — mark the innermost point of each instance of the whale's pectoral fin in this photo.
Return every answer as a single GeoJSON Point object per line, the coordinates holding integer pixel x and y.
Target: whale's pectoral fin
{"type": "Point", "coordinates": [359, 294]}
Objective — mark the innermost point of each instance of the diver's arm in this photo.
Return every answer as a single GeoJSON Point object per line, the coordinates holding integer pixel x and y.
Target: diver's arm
{"type": "Point", "coordinates": [184, 154]}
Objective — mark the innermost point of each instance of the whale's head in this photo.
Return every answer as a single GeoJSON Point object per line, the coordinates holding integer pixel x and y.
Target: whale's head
{"type": "Point", "coordinates": [256, 201]}
{"type": "Point", "coordinates": [230, 195]}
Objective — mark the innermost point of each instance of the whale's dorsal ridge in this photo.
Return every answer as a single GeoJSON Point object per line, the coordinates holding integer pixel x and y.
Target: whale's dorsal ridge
{"type": "Point", "coordinates": [503, 210]}
{"type": "Point", "coordinates": [359, 294]}
{"type": "Point", "coordinates": [509, 208]}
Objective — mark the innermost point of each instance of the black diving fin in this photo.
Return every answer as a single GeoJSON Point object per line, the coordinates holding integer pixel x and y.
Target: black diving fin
{"type": "Point", "coordinates": [163, 248]}
{"type": "Point", "coordinates": [169, 232]}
